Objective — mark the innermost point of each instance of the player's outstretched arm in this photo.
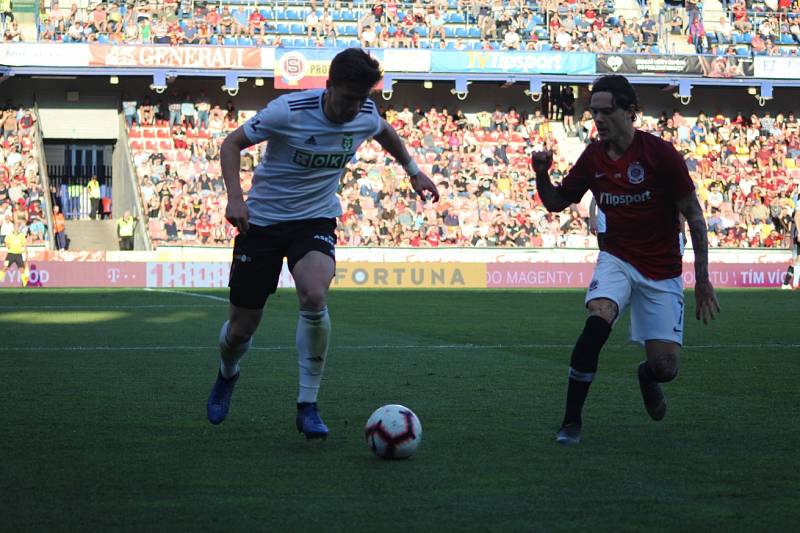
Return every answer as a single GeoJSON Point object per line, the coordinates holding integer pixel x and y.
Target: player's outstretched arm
{"type": "Point", "coordinates": [551, 198]}
{"type": "Point", "coordinates": [392, 143]}
{"type": "Point", "coordinates": [707, 305]}
{"type": "Point", "coordinates": [230, 160]}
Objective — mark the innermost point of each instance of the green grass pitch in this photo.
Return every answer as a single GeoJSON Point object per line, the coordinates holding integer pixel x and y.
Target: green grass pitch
{"type": "Point", "coordinates": [104, 428]}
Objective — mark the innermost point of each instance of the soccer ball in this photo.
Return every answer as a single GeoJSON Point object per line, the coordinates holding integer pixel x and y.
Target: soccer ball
{"type": "Point", "coordinates": [393, 432]}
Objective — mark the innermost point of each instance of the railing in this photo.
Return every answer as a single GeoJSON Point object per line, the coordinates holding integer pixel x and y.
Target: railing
{"type": "Point", "coordinates": [45, 179]}
{"type": "Point", "coordinates": [69, 185]}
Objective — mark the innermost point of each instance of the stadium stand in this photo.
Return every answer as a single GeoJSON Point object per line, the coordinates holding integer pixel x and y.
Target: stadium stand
{"type": "Point", "coordinates": [596, 26]}
{"type": "Point", "coordinates": [21, 191]}
{"type": "Point", "coordinates": [744, 168]}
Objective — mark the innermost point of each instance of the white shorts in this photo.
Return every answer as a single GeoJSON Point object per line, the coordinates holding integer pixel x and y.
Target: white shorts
{"type": "Point", "coordinates": [656, 305]}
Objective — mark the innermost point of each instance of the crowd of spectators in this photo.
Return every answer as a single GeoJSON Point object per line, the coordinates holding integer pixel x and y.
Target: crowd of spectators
{"type": "Point", "coordinates": [21, 196]}
{"type": "Point", "coordinates": [747, 171]}
{"type": "Point", "coordinates": [577, 25]}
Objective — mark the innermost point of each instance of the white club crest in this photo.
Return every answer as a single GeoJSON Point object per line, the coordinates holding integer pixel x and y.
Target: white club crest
{"type": "Point", "coordinates": [635, 173]}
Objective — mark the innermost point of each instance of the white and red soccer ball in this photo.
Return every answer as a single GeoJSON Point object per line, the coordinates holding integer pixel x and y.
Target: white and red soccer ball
{"type": "Point", "coordinates": [393, 432]}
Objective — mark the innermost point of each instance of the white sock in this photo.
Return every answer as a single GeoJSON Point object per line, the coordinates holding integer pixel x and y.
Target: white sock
{"type": "Point", "coordinates": [313, 333]}
{"type": "Point", "coordinates": [796, 275]}
{"type": "Point", "coordinates": [230, 355]}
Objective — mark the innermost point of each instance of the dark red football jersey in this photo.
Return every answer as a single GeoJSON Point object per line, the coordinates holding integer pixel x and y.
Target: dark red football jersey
{"type": "Point", "coordinates": [638, 194]}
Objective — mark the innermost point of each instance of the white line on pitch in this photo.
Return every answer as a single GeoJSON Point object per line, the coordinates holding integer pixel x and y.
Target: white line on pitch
{"type": "Point", "coordinates": [185, 293]}
{"type": "Point", "coordinates": [372, 347]}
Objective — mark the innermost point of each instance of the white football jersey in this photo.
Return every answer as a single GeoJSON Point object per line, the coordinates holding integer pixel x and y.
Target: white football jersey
{"type": "Point", "coordinates": [306, 155]}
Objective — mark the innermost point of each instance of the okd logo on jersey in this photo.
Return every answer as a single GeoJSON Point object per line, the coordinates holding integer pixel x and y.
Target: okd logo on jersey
{"type": "Point", "coordinates": [318, 160]}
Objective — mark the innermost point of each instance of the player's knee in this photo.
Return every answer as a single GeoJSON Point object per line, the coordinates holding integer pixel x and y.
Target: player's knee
{"type": "Point", "coordinates": [603, 308]}
{"type": "Point", "coordinates": [664, 367]}
{"type": "Point", "coordinates": [312, 299]}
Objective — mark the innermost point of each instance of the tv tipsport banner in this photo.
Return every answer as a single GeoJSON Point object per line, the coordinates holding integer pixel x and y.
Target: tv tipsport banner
{"type": "Point", "coordinates": [307, 68]}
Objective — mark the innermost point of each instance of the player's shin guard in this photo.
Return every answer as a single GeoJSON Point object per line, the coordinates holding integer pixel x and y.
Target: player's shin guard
{"type": "Point", "coordinates": [583, 366]}
{"type": "Point", "coordinates": [313, 333]}
{"type": "Point", "coordinates": [230, 354]}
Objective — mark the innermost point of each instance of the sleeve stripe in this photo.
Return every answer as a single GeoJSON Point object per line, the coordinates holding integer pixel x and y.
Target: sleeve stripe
{"type": "Point", "coordinates": [303, 100]}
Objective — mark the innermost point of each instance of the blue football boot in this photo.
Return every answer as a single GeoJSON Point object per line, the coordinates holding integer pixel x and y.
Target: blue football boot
{"type": "Point", "coordinates": [219, 401]}
{"type": "Point", "coordinates": [308, 421]}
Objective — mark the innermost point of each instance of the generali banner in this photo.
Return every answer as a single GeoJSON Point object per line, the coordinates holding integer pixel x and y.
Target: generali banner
{"type": "Point", "coordinates": [159, 56]}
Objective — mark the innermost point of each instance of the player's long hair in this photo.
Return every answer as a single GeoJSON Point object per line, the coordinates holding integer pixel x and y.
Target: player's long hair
{"type": "Point", "coordinates": [622, 92]}
{"type": "Point", "coordinates": [355, 68]}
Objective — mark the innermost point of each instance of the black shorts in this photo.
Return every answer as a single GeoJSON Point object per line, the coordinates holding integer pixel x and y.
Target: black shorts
{"type": "Point", "coordinates": [15, 259]}
{"type": "Point", "coordinates": [258, 256]}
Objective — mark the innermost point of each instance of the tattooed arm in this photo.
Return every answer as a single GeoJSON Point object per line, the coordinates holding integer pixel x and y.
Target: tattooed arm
{"type": "Point", "coordinates": [707, 305]}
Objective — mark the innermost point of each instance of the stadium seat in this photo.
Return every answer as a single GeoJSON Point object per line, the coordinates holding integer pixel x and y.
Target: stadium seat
{"type": "Point", "coordinates": [462, 32]}
{"type": "Point", "coordinates": [229, 41]}
{"type": "Point", "coordinates": [296, 29]}
{"type": "Point", "coordinates": [474, 33]}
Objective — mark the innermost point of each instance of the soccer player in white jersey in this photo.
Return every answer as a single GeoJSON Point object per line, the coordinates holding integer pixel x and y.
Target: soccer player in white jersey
{"type": "Point", "coordinates": [291, 212]}
{"type": "Point", "coordinates": [642, 186]}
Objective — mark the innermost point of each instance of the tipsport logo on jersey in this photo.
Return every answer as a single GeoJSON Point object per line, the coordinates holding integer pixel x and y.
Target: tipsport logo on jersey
{"type": "Point", "coordinates": [337, 160]}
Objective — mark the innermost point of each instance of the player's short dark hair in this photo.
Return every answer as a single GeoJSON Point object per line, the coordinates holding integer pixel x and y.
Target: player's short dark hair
{"type": "Point", "coordinates": [622, 92]}
{"type": "Point", "coordinates": [355, 67]}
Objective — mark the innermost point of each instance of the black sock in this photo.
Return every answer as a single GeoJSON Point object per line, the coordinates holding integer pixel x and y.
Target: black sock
{"type": "Point", "coordinates": [583, 366]}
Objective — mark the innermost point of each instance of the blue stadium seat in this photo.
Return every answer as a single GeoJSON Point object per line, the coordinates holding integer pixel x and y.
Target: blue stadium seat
{"type": "Point", "coordinates": [474, 33]}
{"type": "Point", "coordinates": [245, 41]}
{"type": "Point", "coordinates": [349, 16]}
{"type": "Point", "coordinates": [267, 13]}
{"type": "Point", "coordinates": [213, 40]}
{"type": "Point", "coordinates": [462, 32]}
{"type": "Point", "coordinates": [457, 18]}
{"type": "Point", "coordinates": [102, 39]}
{"type": "Point", "coordinates": [336, 15]}
{"type": "Point", "coordinates": [742, 51]}
{"type": "Point", "coordinates": [293, 14]}
{"type": "Point", "coordinates": [545, 47]}
{"type": "Point", "coordinates": [354, 43]}
{"type": "Point", "coordinates": [786, 38]}
{"type": "Point", "coordinates": [747, 38]}
{"type": "Point", "coordinates": [538, 19]}
{"type": "Point", "coordinates": [449, 32]}
{"type": "Point", "coordinates": [283, 28]}
{"type": "Point", "coordinates": [423, 31]}
{"type": "Point", "coordinates": [348, 30]}
{"type": "Point", "coordinates": [229, 41]}
{"type": "Point", "coordinates": [296, 29]}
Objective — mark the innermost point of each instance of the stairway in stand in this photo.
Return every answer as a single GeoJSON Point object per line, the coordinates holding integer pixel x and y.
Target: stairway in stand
{"type": "Point", "coordinates": [85, 235]}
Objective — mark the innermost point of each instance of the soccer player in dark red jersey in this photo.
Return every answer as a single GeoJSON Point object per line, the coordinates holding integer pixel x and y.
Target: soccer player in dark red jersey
{"type": "Point", "coordinates": [642, 185]}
